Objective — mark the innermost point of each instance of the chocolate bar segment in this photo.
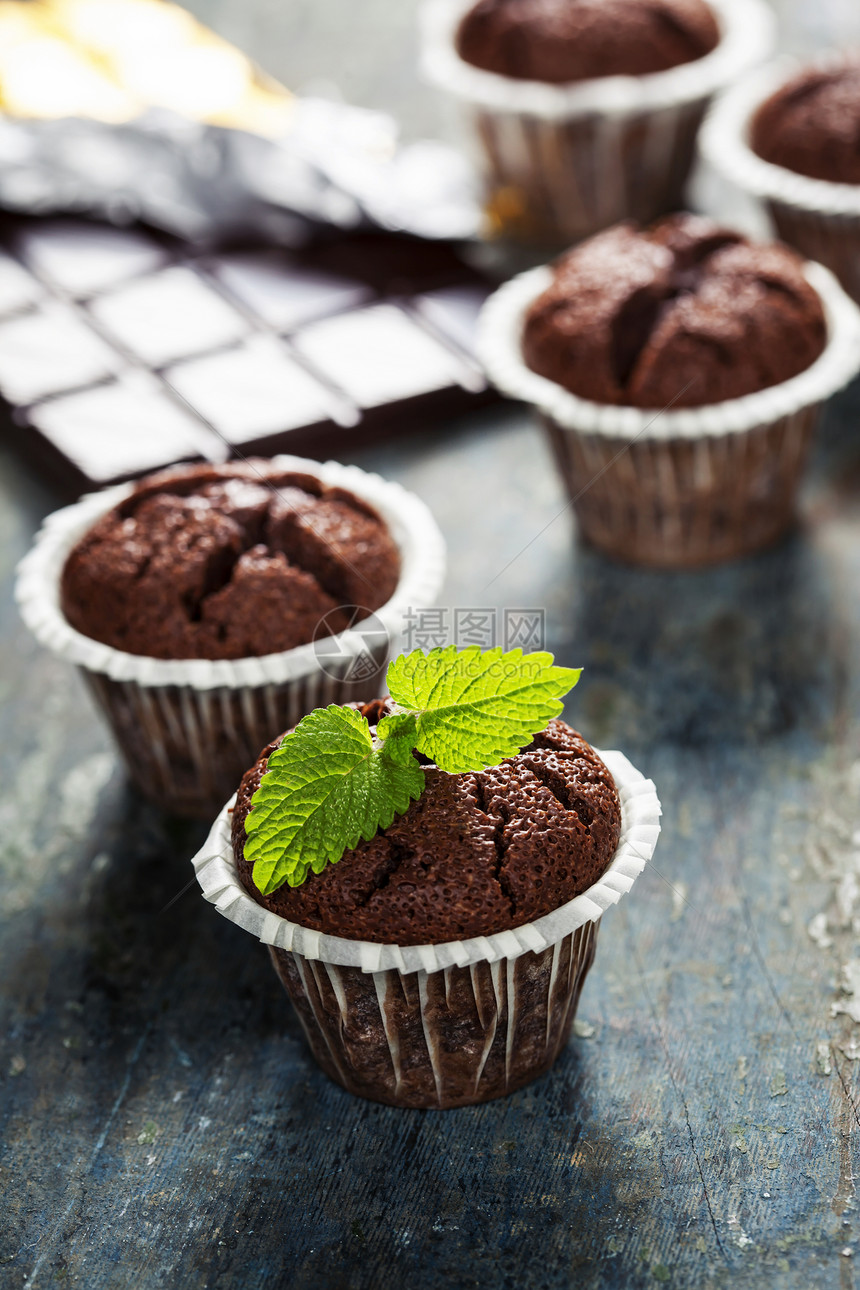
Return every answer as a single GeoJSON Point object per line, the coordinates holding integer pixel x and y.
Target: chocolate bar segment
{"type": "Point", "coordinates": [48, 351]}
{"type": "Point", "coordinates": [379, 355]}
{"type": "Point", "coordinates": [285, 294]}
{"type": "Point", "coordinates": [167, 316]}
{"type": "Point", "coordinates": [121, 429]}
{"type": "Point", "coordinates": [256, 391]}
{"type": "Point", "coordinates": [18, 290]}
{"type": "Point", "coordinates": [454, 312]}
{"type": "Point", "coordinates": [82, 258]}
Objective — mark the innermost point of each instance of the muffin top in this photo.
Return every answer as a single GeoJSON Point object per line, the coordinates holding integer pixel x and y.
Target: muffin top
{"type": "Point", "coordinates": [477, 853]}
{"type": "Point", "coordinates": [226, 562]}
{"type": "Point", "coordinates": [561, 41]}
{"type": "Point", "coordinates": [812, 125]}
{"type": "Point", "coordinates": [684, 313]}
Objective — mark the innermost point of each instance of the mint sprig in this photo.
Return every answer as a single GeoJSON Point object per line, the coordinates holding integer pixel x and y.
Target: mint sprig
{"type": "Point", "coordinates": [470, 708]}
{"type": "Point", "coordinates": [332, 783]}
{"type": "Point", "coordinates": [325, 788]}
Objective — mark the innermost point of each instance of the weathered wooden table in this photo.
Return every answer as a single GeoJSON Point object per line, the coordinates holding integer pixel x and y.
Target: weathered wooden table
{"type": "Point", "coordinates": [161, 1122]}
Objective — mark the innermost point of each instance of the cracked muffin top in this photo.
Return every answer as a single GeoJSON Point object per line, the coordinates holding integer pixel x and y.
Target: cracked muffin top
{"type": "Point", "coordinates": [684, 313]}
{"type": "Point", "coordinates": [226, 562]}
{"type": "Point", "coordinates": [812, 125]}
{"type": "Point", "coordinates": [561, 41]}
{"type": "Point", "coordinates": [477, 853]}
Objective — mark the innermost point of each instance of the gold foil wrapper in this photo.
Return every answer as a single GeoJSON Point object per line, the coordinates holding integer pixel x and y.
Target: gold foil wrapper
{"type": "Point", "coordinates": [112, 60]}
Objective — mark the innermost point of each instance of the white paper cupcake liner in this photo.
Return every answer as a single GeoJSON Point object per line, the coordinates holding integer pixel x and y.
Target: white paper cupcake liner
{"type": "Point", "coordinates": [440, 1039]}
{"type": "Point", "coordinates": [820, 218]}
{"type": "Point", "coordinates": [189, 728]}
{"type": "Point", "coordinates": [681, 487]}
{"type": "Point", "coordinates": [563, 161]}
{"type": "Point", "coordinates": [215, 867]}
{"type": "Point", "coordinates": [447, 1024]}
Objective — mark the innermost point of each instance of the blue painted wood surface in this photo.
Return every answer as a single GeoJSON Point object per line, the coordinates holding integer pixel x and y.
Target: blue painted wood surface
{"type": "Point", "coordinates": [161, 1123]}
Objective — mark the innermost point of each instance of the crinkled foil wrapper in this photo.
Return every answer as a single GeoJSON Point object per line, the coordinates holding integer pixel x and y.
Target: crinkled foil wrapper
{"type": "Point", "coordinates": [337, 166]}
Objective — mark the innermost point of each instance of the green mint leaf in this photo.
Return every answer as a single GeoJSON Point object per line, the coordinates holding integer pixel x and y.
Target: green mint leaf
{"type": "Point", "coordinates": [470, 709]}
{"type": "Point", "coordinates": [325, 788]}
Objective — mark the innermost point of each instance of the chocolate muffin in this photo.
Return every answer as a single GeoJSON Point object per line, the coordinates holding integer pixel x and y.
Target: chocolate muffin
{"type": "Point", "coordinates": [811, 125]}
{"type": "Point", "coordinates": [477, 853]}
{"type": "Point", "coordinates": [228, 562]}
{"type": "Point", "coordinates": [561, 41]}
{"type": "Point", "coordinates": [684, 313]}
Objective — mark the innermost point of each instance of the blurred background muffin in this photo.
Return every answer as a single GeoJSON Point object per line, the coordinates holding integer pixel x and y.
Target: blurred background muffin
{"type": "Point", "coordinates": [588, 113]}
{"type": "Point", "coordinates": [788, 138]}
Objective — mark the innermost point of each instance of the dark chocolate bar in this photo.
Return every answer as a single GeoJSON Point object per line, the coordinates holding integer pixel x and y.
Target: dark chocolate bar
{"type": "Point", "coordinates": [122, 350]}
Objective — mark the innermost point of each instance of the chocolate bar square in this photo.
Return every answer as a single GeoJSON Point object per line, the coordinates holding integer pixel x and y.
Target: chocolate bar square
{"type": "Point", "coordinates": [379, 355]}
{"type": "Point", "coordinates": [82, 258]}
{"type": "Point", "coordinates": [121, 429]}
{"type": "Point", "coordinates": [255, 391]}
{"type": "Point", "coordinates": [454, 311]}
{"type": "Point", "coordinates": [18, 290]}
{"type": "Point", "coordinates": [167, 316]}
{"type": "Point", "coordinates": [50, 350]}
{"type": "Point", "coordinates": [285, 294]}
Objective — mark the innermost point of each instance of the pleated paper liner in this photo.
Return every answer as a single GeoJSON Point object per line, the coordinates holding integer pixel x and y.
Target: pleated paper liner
{"type": "Point", "coordinates": [563, 161]}
{"type": "Point", "coordinates": [188, 729]}
{"type": "Point", "coordinates": [449, 1024]}
{"type": "Point", "coordinates": [681, 488]}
